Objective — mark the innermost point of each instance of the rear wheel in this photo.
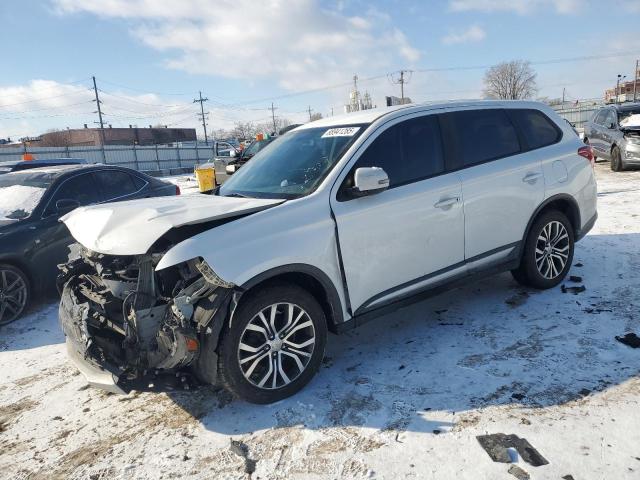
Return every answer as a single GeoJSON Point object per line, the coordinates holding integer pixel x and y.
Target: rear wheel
{"type": "Point", "coordinates": [548, 252]}
{"type": "Point", "coordinates": [616, 160]}
{"type": "Point", "coordinates": [15, 293]}
{"type": "Point", "coordinates": [275, 344]}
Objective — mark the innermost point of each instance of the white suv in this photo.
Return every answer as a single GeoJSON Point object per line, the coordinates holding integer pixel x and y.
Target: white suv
{"type": "Point", "coordinates": [336, 222]}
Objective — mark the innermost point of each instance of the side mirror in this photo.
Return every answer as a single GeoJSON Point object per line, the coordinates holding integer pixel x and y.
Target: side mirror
{"type": "Point", "coordinates": [612, 126]}
{"type": "Point", "coordinates": [66, 205]}
{"type": "Point", "coordinates": [369, 181]}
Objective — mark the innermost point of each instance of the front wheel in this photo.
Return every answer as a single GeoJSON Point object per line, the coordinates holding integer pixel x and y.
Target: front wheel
{"type": "Point", "coordinates": [548, 252]}
{"type": "Point", "coordinates": [15, 293]}
{"type": "Point", "coordinates": [274, 345]}
{"type": "Point", "coordinates": [616, 160]}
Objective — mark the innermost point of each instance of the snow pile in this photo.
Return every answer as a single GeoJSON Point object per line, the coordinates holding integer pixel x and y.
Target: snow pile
{"type": "Point", "coordinates": [18, 201]}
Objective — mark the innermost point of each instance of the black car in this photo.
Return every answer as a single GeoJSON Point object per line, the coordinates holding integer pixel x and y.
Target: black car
{"type": "Point", "coordinates": [32, 240]}
{"type": "Point", "coordinates": [16, 165]}
{"type": "Point", "coordinates": [247, 154]}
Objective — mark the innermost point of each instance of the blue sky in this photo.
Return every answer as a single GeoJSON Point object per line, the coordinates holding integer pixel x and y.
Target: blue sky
{"type": "Point", "coordinates": [151, 57]}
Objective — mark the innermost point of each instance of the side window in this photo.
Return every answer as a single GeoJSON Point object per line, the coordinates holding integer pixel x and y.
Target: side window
{"type": "Point", "coordinates": [482, 135]}
{"type": "Point", "coordinates": [114, 184]}
{"type": "Point", "coordinates": [600, 116]}
{"type": "Point", "coordinates": [408, 151]}
{"type": "Point", "coordinates": [610, 119]}
{"type": "Point", "coordinates": [81, 188]}
{"type": "Point", "coordinates": [536, 128]}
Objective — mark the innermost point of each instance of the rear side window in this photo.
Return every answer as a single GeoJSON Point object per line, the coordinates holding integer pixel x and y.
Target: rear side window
{"type": "Point", "coordinates": [409, 151]}
{"type": "Point", "coordinates": [115, 184]}
{"type": "Point", "coordinates": [536, 128]}
{"type": "Point", "coordinates": [481, 135]}
{"type": "Point", "coordinates": [139, 183]}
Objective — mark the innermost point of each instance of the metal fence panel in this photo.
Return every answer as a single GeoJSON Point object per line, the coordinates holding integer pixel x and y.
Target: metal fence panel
{"type": "Point", "coordinates": [147, 158]}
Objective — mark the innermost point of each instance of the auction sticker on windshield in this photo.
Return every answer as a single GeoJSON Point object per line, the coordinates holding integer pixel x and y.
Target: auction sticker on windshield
{"type": "Point", "coordinates": [341, 132]}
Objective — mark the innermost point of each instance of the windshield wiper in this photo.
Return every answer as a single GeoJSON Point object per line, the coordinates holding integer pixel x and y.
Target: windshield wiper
{"type": "Point", "coordinates": [237, 195]}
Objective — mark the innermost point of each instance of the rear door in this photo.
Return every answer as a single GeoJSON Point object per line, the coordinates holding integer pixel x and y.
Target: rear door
{"type": "Point", "coordinates": [402, 239]}
{"type": "Point", "coordinates": [607, 133]}
{"type": "Point", "coordinates": [502, 185]}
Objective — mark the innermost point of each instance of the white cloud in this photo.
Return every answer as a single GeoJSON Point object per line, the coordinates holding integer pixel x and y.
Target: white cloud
{"type": "Point", "coordinates": [40, 105]}
{"type": "Point", "coordinates": [472, 34]}
{"type": "Point", "coordinates": [299, 43]}
{"type": "Point", "coordinates": [521, 7]}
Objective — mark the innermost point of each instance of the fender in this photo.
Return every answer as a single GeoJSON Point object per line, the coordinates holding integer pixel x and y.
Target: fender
{"type": "Point", "coordinates": [322, 278]}
{"type": "Point", "coordinates": [545, 203]}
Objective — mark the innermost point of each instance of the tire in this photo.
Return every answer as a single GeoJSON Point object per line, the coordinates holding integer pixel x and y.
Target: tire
{"type": "Point", "coordinates": [616, 160]}
{"type": "Point", "coordinates": [255, 372]}
{"type": "Point", "coordinates": [539, 269]}
{"type": "Point", "coordinates": [15, 293]}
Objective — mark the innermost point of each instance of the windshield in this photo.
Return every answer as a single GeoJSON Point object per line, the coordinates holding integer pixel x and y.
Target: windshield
{"type": "Point", "coordinates": [254, 148]}
{"type": "Point", "coordinates": [20, 194]}
{"type": "Point", "coordinates": [294, 165]}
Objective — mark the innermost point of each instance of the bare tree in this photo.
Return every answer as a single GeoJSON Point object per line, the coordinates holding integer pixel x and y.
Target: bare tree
{"type": "Point", "coordinates": [315, 116]}
{"type": "Point", "coordinates": [514, 80]}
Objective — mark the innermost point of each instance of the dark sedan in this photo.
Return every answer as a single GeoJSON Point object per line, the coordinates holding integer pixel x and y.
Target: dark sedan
{"type": "Point", "coordinates": [32, 240]}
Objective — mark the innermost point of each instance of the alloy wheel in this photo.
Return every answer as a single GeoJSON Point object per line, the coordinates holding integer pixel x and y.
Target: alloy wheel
{"type": "Point", "coordinates": [13, 296]}
{"type": "Point", "coordinates": [552, 250]}
{"type": "Point", "coordinates": [276, 346]}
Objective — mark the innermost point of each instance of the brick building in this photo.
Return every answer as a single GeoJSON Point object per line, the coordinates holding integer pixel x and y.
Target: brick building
{"type": "Point", "coordinates": [115, 136]}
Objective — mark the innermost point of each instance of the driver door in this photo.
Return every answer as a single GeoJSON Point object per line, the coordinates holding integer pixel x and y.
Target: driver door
{"type": "Point", "coordinates": [411, 235]}
{"type": "Point", "coordinates": [53, 244]}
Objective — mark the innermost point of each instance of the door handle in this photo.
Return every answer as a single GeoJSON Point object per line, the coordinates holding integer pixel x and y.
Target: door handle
{"type": "Point", "coordinates": [531, 178]}
{"type": "Point", "coordinates": [447, 202]}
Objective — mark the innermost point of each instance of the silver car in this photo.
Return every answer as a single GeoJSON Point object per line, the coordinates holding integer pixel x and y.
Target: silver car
{"type": "Point", "coordinates": [614, 134]}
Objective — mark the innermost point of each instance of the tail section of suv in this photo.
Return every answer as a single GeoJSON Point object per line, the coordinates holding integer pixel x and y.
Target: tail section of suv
{"type": "Point", "coordinates": [337, 222]}
{"type": "Point", "coordinates": [614, 134]}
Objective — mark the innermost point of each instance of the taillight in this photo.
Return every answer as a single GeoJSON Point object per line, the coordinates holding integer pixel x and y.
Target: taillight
{"type": "Point", "coordinates": [177, 190]}
{"type": "Point", "coordinates": [587, 152]}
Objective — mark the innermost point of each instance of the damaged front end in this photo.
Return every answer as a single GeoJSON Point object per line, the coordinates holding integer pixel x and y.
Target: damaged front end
{"type": "Point", "coordinates": [123, 319]}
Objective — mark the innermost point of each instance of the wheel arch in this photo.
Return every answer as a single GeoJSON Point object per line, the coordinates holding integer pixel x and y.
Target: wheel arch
{"type": "Point", "coordinates": [563, 203]}
{"type": "Point", "coordinates": [22, 266]}
{"type": "Point", "coordinates": [312, 279]}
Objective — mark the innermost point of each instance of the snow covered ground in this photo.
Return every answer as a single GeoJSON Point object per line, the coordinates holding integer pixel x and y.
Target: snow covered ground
{"type": "Point", "coordinates": [401, 397]}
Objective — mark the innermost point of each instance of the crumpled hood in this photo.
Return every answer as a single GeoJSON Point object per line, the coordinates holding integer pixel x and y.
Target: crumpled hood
{"type": "Point", "coordinates": [132, 227]}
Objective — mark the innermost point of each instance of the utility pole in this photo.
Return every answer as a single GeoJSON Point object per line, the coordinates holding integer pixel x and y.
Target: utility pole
{"type": "Point", "coordinates": [402, 80]}
{"type": "Point", "coordinates": [98, 102]}
{"type": "Point", "coordinates": [99, 112]}
{"type": "Point", "coordinates": [202, 117]}
{"type": "Point", "coordinates": [563, 89]}
{"type": "Point", "coordinates": [309, 110]}
{"type": "Point", "coordinates": [618, 88]}
{"type": "Point", "coordinates": [635, 81]}
{"type": "Point", "coordinates": [273, 117]}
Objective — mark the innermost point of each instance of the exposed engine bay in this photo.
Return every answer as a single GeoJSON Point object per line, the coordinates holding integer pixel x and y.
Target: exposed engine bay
{"type": "Point", "coordinates": [124, 317]}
